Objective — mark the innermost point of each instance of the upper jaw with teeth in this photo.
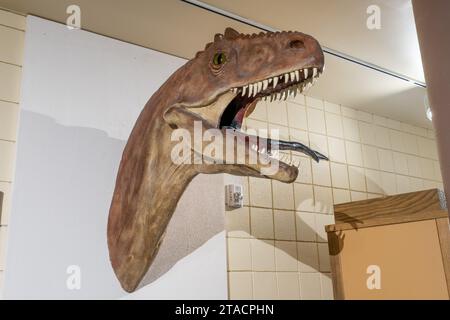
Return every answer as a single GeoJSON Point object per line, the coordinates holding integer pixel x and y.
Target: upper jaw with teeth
{"type": "Point", "coordinates": [278, 87]}
{"type": "Point", "coordinates": [289, 83]}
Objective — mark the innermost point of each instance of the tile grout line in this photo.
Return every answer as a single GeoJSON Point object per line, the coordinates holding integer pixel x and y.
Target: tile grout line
{"type": "Point", "coordinates": [363, 162]}
{"type": "Point", "coordinates": [272, 209]}
{"type": "Point", "coordinates": [346, 158]}
{"type": "Point", "coordinates": [316, 247]}
{"type": "Point", "coordinates": [293, 212]}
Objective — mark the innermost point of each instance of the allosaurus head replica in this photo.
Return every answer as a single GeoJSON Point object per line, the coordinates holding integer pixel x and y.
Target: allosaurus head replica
{"type": "Point", "coordinates": [214, 91]}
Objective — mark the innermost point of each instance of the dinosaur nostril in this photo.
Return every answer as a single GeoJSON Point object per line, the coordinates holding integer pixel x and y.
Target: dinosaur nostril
{"type": "Point", "coordinates": [296, 44]}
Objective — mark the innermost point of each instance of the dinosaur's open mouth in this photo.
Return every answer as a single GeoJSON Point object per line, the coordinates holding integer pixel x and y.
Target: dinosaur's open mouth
{"type": "Point", "coordinates": [271, 89]}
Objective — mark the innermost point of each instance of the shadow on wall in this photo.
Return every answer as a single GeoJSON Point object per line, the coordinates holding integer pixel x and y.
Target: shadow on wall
{"type": "Point", "coordinates": [269, 242]}
{"type": "Point", "coordinates": [320, 207]}
{"type": "Point", "coordinates": [198, 217]}
{"type": "Point", "coordinates": [61, 209]}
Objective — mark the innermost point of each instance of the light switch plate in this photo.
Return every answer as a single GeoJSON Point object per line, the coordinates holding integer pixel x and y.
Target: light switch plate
{"type": "Point", "coordinates": [234, 197]}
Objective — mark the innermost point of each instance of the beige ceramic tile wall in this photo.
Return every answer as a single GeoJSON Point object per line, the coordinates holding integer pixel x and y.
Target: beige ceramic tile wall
{"type": "Point", "coordinates": [12, 33]}
{"type": "Point", "coordinates": [276, 243]}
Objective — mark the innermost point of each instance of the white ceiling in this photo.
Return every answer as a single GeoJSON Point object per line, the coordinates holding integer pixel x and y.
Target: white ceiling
{"type": "Point", "coordinates": [181, 29]}
{"type": "Point", "coordinates": [341, 25]}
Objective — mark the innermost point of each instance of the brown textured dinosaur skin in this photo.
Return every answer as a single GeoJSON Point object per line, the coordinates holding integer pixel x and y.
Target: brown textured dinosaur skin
{"type": "Point", "coordinates": [149, 184]}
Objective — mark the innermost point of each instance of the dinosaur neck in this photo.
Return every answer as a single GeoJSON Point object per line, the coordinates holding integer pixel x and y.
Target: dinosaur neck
{"type": "Point", "coordinates": [148, 188]}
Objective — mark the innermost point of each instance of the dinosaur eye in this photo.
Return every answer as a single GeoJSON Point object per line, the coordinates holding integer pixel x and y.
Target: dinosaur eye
{"type": "Point", "coordinates": [219, 58]}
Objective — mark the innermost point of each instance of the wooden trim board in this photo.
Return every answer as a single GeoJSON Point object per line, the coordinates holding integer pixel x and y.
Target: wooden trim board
{"type": "Point", "coordinates": [387, 220]}
{"type": "Point", "coordinates": [403, 205]}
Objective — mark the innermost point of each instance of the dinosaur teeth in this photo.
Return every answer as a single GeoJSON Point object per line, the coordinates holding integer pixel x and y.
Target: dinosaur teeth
{"type": "Point", "coordinates": [260, 86]}
{"type": "Point", "coordinates": [275, 82]}
{"type": "Point", "coordinates": [298, 82]}
{"type": "Point", "coordinates": [300, 88]}
{"type": "Point", "coordinates": [292, 76]}
{"type": "Point", "coordinates": [243, 90]}
{"type": "Point", "coordinates": [293, 91]}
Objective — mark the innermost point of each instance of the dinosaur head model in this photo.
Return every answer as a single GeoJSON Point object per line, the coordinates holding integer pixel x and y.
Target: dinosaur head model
{"type": "Point", "coordinates": [215, 91]}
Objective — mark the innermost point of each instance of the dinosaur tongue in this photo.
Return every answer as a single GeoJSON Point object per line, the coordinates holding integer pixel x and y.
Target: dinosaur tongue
{"type": "Point", "coordinates": [243, 113]}
{"type": "Point", "coordinates": [266, 145]}
{"type": "Point", "coordinates": [238, 119]}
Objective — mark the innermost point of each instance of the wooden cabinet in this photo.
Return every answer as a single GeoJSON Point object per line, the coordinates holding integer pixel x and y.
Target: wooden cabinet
{"type": "Point", "coordinates": [396, 247]}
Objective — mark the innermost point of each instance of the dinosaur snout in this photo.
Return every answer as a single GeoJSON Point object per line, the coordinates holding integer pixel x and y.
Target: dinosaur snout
{"type": "Point", "coordinates": [305, 46]}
